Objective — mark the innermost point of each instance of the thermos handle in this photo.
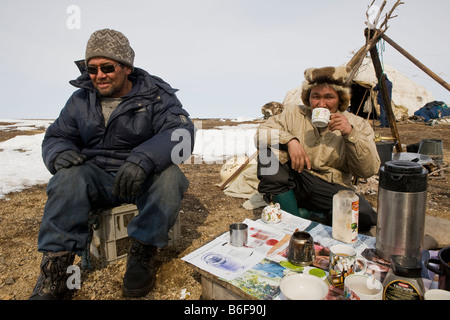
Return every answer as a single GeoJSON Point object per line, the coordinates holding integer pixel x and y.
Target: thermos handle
{"type": "Point", "coordinates": [396, 177]}
{"type": "Point", "coordinates": [431, 268]}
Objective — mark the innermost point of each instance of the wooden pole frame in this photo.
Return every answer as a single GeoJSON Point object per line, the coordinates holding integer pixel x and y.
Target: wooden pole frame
{"type": "Point", "coordinates": [416, 62]}
{"type": "Point", "coordinates": [381, 77]}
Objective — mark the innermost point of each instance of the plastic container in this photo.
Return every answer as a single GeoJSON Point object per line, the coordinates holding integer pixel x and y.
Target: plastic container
{"type": "Point", "coordinates": [345, 216]}
{"type": "Point", "coordinates": [113, 241]}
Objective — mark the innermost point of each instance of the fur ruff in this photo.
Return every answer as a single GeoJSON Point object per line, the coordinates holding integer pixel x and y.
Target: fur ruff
{"type": "Point", "coordinates": [331, 76]}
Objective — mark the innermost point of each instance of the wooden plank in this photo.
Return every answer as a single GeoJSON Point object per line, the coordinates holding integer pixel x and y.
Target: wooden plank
{"type": "Point", "coordinates": [214, 291]}
{"type": "Point", "coordinates": [214, 288]}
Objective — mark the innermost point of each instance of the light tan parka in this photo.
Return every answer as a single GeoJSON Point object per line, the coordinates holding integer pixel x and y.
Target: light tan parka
{"type": "Point", "coordinates": [334, 158]}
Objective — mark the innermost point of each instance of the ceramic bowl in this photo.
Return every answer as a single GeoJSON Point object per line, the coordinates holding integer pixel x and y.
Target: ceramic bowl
{"type": "Point", "coordinates": [437, 294]}
{"type": "Point", "coordinates": [303, 287]}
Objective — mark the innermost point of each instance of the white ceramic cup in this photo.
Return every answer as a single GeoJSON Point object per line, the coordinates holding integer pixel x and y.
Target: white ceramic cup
{"type": "Point", "coordinates": [362, 287]}
{"type": "Point", "coordinates": [437, 294]}
{"type": "Point", "coordinates": [320, 117]}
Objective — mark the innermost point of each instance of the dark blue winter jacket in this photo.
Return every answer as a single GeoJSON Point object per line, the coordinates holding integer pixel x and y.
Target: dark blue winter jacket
{"type": "Point", "coordinates": [145, 128]}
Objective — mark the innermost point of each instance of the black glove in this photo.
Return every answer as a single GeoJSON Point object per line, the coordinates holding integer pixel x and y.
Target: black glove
{"type": "Point", "coordinates": [67, 159]}
{"type": "Point", "coordinates": [128, 180]}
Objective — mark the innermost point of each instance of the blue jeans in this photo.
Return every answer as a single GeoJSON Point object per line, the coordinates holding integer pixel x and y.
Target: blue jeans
{"type": "Point", "coordinates": [74, 192]}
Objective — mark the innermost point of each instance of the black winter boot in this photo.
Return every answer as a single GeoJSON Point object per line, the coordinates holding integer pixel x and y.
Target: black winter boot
{"type": "Point", "coordinates": [51, 283]}
{"type": "Point", "coordinates": [140, 275]}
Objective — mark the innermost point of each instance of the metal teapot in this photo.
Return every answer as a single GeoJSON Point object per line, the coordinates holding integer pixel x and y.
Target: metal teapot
{"type": "Point", "coordinates": [301, 249]}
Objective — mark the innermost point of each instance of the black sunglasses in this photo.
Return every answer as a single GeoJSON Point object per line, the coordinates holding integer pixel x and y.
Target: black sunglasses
{"type": "Point", "coordinates": [108, 68]}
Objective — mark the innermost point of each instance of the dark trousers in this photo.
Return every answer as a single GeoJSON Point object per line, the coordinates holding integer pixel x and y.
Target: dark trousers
{"type": "Point", "coordinates": [75, 191]}
{"type": "Point", "coordinates": [311, 193]}
{"type": "Point", "coordinates": [383, 116]}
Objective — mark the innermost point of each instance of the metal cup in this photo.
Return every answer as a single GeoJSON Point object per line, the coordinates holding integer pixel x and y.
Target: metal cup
{"type": "Point", "coordinates": [238, 234]}
{"type": "Point", "coordinates": [301, 249]}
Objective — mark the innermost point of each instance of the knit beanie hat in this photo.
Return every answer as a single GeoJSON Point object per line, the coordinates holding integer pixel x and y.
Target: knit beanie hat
{"type": "Point", "coordinates": [335, 77]}
{"type": "Point", "coordinates": [111, 44]}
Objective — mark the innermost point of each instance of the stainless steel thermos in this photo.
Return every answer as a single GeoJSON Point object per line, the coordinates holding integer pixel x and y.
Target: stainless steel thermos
{"type": "Point", "coordinates": [402, 192]}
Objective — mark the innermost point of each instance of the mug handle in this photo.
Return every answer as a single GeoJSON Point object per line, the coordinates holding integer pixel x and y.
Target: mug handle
{"type": "Point", "coordinates": [359, 258]}
{"type": "Point", "coordinates": [431, 268]}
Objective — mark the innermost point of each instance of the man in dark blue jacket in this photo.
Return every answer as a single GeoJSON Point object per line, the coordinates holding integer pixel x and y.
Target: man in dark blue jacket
{"type": "Point", "coordinates": [118, 140]}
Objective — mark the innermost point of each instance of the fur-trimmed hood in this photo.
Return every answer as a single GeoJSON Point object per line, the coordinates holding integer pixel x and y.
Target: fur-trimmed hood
{"type": "Point", "coordinates": [335, 77]}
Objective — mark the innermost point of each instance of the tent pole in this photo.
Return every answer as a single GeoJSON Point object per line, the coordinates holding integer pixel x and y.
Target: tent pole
{"type": "Point", "coordinates": [416, 62]}
{"type": "Point", "coordinates": [358, 58]}
{"type": "Point", "coordinates": [362, 101]}
{"type": "Point", "coordinates": [381, 77]}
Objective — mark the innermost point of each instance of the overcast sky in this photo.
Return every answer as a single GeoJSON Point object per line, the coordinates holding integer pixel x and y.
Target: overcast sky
{"type": "Point", "coordinates": [227, 57]}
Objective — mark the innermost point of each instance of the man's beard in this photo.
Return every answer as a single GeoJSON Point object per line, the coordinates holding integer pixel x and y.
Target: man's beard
{"type": "Point", "coordinates": [107, 93]}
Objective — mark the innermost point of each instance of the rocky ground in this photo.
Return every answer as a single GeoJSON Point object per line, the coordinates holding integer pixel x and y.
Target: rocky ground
{"type": "Point", "coordinates": [206, 212]}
